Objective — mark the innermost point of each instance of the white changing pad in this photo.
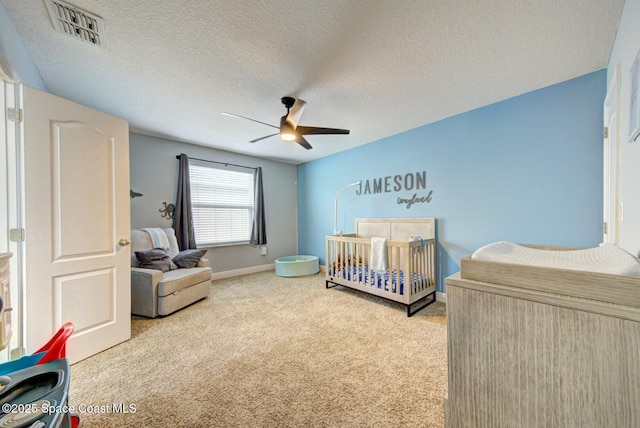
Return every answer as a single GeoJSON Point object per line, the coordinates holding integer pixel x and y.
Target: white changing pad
{"type": "Point", "coordinates": [606, 258]}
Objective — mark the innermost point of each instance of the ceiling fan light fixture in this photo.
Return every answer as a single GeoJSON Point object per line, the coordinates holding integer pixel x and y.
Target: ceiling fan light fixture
{"type": "Point", "coordinates": [288, 136]}
{"type": "Point", "coordinates": [286, 132]}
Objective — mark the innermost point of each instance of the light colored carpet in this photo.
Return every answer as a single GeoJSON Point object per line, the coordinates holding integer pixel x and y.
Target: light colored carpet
{"type": "Point", "coordinates": [266, 351]}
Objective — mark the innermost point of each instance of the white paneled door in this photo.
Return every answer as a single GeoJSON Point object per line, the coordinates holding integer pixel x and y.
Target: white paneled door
{"type": "Point", "coordinates": [77, 222]}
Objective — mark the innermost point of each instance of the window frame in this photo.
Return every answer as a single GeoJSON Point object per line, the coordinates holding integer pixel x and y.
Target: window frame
{"type": "Point", "coordinates": [249, 206]}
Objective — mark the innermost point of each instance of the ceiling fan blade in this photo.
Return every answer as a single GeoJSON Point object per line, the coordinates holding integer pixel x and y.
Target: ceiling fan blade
{"type": "Point", "coordinates": [262, 138]}
{"type": "Point", "coordinates": [303, 142]}
{"type": "Point", "coordinates": [248, 118]}
{"type": "Point", "coordinates": [296, 113]}
{"type": "Point", "coordinates": [314, 130]}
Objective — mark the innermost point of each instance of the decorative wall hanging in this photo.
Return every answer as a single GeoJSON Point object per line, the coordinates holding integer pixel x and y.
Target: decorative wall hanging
{"type": "Point", "coordinates": [133, 194]}
{"type": "Point", "coordinates": [167, 211]}
{"type": "Point", "coordinates": [415, 199]}
{"type": "Point", "coordinates": [409, 182]}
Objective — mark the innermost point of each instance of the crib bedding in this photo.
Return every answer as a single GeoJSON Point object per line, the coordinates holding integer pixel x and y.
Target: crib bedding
{"type": "Point", "coordinates": [383, 280]}
{"type": "Point", "coordinates": [606, 258]}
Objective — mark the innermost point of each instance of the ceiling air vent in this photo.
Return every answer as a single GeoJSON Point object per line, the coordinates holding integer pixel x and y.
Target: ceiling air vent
{"type": "Point", "coordinates": [75, 22]}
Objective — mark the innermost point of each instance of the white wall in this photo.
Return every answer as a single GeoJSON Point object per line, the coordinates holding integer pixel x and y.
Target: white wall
{"type": "Point", "coordinates": [625, 49]}
{"type": "Point", "coordinates": [16, 54]}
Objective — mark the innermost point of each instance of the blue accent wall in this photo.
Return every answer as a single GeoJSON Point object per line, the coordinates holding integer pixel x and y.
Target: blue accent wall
{"type": "Point", "coordinates": [528, 170]}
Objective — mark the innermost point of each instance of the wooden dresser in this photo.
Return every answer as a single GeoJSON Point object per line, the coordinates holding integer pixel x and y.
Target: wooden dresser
{"type": "Point", "coordinates": [537, 347]}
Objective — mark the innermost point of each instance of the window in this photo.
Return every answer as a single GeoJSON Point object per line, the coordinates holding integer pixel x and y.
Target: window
{"type": "Point", "coordinates": [222, 203]}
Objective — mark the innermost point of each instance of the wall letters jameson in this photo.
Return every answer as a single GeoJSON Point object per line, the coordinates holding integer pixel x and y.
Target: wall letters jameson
{"type": "Point", "coordinates": [408, 182]}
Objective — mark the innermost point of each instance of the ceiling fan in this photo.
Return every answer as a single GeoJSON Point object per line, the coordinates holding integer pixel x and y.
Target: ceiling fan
{"type": "Point", "coordinates": [289, 128]}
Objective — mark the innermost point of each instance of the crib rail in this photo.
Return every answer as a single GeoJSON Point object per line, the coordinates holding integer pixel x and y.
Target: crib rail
{"type": "Point", "coordinates": [411, 267]}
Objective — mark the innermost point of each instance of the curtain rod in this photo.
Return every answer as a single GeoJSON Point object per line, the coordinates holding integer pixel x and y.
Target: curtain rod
{"type": "Point", "coordinates": [222, 163]}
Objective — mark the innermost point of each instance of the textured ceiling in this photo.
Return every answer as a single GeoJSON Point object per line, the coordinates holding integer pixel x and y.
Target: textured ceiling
{"type": "Point", "coordinates": [376, 67]}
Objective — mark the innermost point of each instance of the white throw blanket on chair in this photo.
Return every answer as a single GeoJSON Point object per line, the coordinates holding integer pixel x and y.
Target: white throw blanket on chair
{"type": "Point", "coordinates": [158, 237]}
{"type": "Point", "coordinates": [379, 253]}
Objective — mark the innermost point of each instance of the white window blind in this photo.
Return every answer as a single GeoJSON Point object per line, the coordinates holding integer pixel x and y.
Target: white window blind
{"type": "Point", "coordinates": [222, 203]}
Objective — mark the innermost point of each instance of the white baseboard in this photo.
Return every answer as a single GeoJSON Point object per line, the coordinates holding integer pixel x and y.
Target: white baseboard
{"type": "Point", "coordinates": [242, 271]}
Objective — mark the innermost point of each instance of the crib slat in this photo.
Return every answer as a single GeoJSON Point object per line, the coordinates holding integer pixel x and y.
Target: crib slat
{"type": "Point", "coordinates": [355, 250]}
{"type": "Point", "coordinates": [408, 268]}
{"type": "Point", "coordinates": [417, 273]}
{"type": "Point", "coordinates": [425, 261]}
{"type": "Point", "coordinates": [421, 270]}
{"type": "Point", "coordinates": [415, 267]}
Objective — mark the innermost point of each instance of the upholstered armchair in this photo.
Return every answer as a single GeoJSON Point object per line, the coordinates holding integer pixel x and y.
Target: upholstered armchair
{"type": "Point", "coordinates": [163, 282]}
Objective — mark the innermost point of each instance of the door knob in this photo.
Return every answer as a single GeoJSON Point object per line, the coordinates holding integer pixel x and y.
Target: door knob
{"type": "Point", "coordinates": [124, 242]}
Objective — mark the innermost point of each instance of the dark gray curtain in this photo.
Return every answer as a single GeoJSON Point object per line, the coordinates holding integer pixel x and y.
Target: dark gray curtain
{"type": "Point", "coordinates": [259, 230]}
{"type": "Point", "coordinates": [182, 217]}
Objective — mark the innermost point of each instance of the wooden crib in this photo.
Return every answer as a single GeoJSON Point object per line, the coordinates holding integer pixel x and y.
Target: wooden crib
{"type": "Point", "coordinates": [411, 275]}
